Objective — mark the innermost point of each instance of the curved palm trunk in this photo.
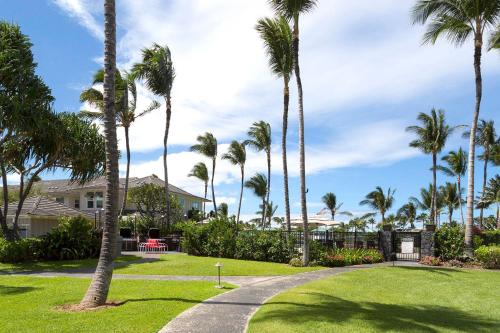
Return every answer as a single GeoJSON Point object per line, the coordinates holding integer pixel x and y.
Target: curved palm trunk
{"type": "Point", "coordinates": [460, 196]}
{"type": "Point", "coordinates": [212, 184]}
{"type": "Point", "coordinates": [286, 102]}
{"type": "Point", "coordinates": [268, 153]}
{"type": "Point", "coordinates": [434, 190]}
{"type": "Point", "coordinates": [98, 290]}
{"type": "Point", "coordinates": [4, 212]}
{"type": "Point", "coordinates": [127, 174]}
{"type": "Point", "coordinates": [204, 203]}
{"type": "Point", "coordinates": [241, 193]}
{"type": "Point", "coordinates": [302, 163]}
{"type": "Point", "coordinates": [485, 177]}
{"type": "Point", "coordinates": [165, 165]}
{"type": "Point", "coordinates": [472, 144]}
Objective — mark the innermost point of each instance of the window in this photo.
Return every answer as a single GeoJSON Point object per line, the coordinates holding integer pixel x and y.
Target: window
{"type": "Point", "coordinates": [90, 199]}
{"type": "Point", "coordinates": [77, 203]}
{"type": "Point", "coordinates": [182, 202]}
{"type": "Point", "coordinates": [23, 231]}
{"type": "Point", "coordinates": [196, 205]}
{"type": "Point", "coordinates": [60, 200]}
{"type": "Point", "coordinates": [99, 200]}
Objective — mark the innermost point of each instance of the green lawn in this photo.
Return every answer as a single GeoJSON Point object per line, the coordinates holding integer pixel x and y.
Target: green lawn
{"type": "Point", "coordinates": [58, 265]}
{"type": "Point", "coordinates": [28, 304]}
{"type": "Point", "coordinates": [388, 299]}
{"type": "Point", "coordinates": [181, 264]}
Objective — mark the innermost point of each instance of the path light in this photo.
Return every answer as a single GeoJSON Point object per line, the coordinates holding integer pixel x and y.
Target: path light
{"type": "Point", "coordinates": [218, 265]}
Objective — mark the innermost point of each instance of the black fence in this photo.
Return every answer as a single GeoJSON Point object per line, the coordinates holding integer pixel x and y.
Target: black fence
{"type": "Point", "coordinates": [337, 240]}
{"type": "Point", "coordinates": [406, 245]}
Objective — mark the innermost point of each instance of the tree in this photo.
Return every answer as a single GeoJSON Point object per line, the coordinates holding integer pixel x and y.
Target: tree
{"type": "Point", "coordinates": [291, 10]}
{"type": "Point", "coordinates": [457, 166]}
{"type": "Point", "coordinates": [207, 146]}
{"type": "Point", "coordinates": [270, 211]}
{"type": "Point", "coordinates": [451, 198]}
{"type": "Point", "coordinates": [277, 37]}
{"type": "Point", "coordinates": [491, 195]}
{"type": "Point", "coordinates": [97, 292]}
{"type": "Point", "coordinates": [458, 21]}
{"type": "Point", "coordinates": [158, 71]}
{"type": "Point", "coordinates": [126, 107]}
{"type": "Point", "coordinates": [330, 201]}
{"type": "Point", "coordinates": [223, 209]}
{"type": "Point", "coordinates": [425, 202]}
{"type": "Point", "coordinates": [260, 140]}
{"type": "Point", "coordinates": [431, 139]}
{"type": "Point", "coordinates": [487, 139]}
{"type": "Point", "coordinates": [150, 203]}
{"type": "Point", "coordinates": [409, 212]}
{"type": "Point", "coordinates": [236, 155]}
{"type": "Point", "coordinates": [379, 200]}
{"type": "Point", "coordinates": [200, 171]}
{"type": "Point", "coordinates": [258, 184]}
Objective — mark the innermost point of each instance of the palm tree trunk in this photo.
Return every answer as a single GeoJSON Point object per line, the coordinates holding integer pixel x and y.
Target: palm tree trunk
{"type": "Point", "coordinates": [286, 102]}
{"type": "Point", "coordinates": [460, 195]}
{"type": "Point", "coordinates": [241, 194]}
{"type": "Point", "coordinates": [268, 153]}
{"type": "Point", "coordinates": [485, 177]}
{"type": "Point", "coordinates": [302, 163]}
{"type": "Point", "coordinates": [263, 220]}
{"type": "Point", "coordinates": [498, 216]}
{"type": "Point", "coordinates": [127, 174]}
{"type": "Point", "coordinates": [450, 216]}
{"type": "Point", "coordinates": [165, 165]}
{"type": "Point", "coordinates": [333, 215]}
{"type": "Point", "coordinates": [212, 184]}
{"type": "Point", "coordinates": [434, 190]}
{"type": "Point", "coordinates": [5, 190]}
{"type": "Point", "coordinates": [97, 292]}
{"type": "Point", "coordinates": [472, 144]}
{"type": "Point", "coordinates": [206, 187]}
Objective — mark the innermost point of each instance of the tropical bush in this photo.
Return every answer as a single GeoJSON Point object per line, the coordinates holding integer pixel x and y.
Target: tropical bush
{"type": "Point", "coordinates": [449, 242]}
{"type": "Point", "coordinates": [18, 251]}
{"type": "Point", "coordinates": [489, 237]}
{"type": "Point", "coordinates": [430, 261]}
{"type": "Point", "coordinates": [345, 257]}
{"type": "Point", "coordinates": [295, 262]}
{"type": "Point", "coordinates": [489, 256]}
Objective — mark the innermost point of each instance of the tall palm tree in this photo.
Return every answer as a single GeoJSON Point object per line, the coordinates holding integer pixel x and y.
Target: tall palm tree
{"type": "Point", "coordinates": [270, 211]}
{"type": "Point", "coordinates": [450, 198]}
{"type": "Point", "coordinates": [491, 195]}
{"type": "Point", "coordinates": [409, 212]}
{"type": "Point", "coordinates": [157, 70]}
{"type": "Point", "coordinates": [97, 292]}
{"type": "Point", "coordinates": [258, 184]}
{"type": "Point", "coordinates": [200, 171]}
{"type": "Point", "coordinates": [457, 166]}
{"type": "Point", "coordinates": [207, 146]}
{"type": "Point", "coordinates": [126, 107]}
{"type": "Point", "coordinates": [291, 10]}
{"type": "Point", "coordinates": [379, 200]}
{"type": "Point", "coordinates": [426, 200]}
{"type": "Point", "coordinates": [431, 139]}
{"type": "Point", "coordinates": [260, 140]}
{"type": "Point", "coordinates": [458, 21]}
{"type": "Point", "coordinates": [277, 37]}
{"type": "Point", "coordinates": [330, 201]}
{"type": "Point", "coordinates": [486, 138]}
{"type": "Point", "coordinates": [237, 155]}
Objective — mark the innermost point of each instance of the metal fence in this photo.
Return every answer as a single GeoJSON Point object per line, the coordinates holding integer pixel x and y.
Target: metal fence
{"type": "Point", "coordinates": [337, 240]}
{"type": "Point", "coordinates": [406, 245]}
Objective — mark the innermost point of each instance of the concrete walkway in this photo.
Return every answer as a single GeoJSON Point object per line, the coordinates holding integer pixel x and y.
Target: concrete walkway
{"type": "Point", "coordinates": [231, 311]}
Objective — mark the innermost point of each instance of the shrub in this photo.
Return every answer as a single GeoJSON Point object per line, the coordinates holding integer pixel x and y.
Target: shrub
{"type": "Point", "coordinates": [449, 242]}
{"type": "Point", "coordinates": [430, 261]}
{"type": "Point", "coordinates": [489, 237]}
{"type": "Point", "coordinates": [21, 250]}
{"type": "Point", "coordinates": [489, 256]}
{"type": "Point", "coordinates": [296, 262]}
{"type": "Point", "coordinates": [344, 257]}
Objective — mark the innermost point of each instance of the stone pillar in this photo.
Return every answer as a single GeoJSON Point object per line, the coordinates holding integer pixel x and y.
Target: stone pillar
{"type": "Point", "coordinates": [427, 243]}
{"type": "Point", "coordinates": [385, 244]}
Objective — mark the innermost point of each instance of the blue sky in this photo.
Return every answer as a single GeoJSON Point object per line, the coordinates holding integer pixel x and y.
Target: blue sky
{"type": "Point", "coordinates": [365, 78]}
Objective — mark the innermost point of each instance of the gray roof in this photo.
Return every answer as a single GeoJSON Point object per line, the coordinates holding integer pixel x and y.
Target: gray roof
{"type": "Point", "coordinates": [42, 206]}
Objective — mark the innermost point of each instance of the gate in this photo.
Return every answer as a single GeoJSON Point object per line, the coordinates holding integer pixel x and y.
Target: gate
{"type": "Point", "coordinates": [406, 245]}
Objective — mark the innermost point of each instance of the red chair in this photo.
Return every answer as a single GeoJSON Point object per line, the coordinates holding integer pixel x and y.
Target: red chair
{"type": "Point", "coordinates": [153, 245]}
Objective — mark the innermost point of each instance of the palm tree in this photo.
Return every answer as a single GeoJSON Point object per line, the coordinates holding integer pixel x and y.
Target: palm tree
{"type": "Point", "coordinates": [223, 209]}
{"type": "Point", "coordinates": [277, 37]}
{"type": "Point", "coordinates": [379, 200]}
{"type": "Point", "coordinates": [409, 212]}
{"type": "Point", "coordinates": [97, 292]}
{"type": "Point", "coordinates": [270, 211]}
{"type": "Point", "coordinates": [125, 111]}
{"type": "Point", "coordinates": [260, 140]}
{"type": "Point", "coordinates": [458, 20]}
{"type": "Point", "coordinates": [330, 201]}
{"type": "Point", "coordinates": [487, 139]}
{"type": "Point", "coordinates": [431, 139]}
{"type": "Point", "coordinates": [491, 195]}
{"type": "Point", "coordinates": [157, 70]}
{"type": "Point", "coordinates": [457, 166]}
{"type": "Point", "coordinates": [450, 198]}
{"type": "Point", "coordinates": [425, 203]}
{"type": "Point", "coordinates": [207, 146]}
{"type": "Point", "coordinates": [291, 10]}
{"type": "Point", "coordinates": [236, 154]}
{"type": "Point", "coordinates": [200, 171]}
{"type": "Point", "coordinates": [258, 184]}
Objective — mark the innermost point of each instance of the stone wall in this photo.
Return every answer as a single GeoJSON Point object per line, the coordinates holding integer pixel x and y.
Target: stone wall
{"type": "Point", "coordinates": [386, 244]}
{"type": "Point", "coordinates": [427, 243]}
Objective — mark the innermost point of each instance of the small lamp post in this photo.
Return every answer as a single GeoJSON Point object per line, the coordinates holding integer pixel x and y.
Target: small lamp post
{"type": "Point", "coordinates": [218, 265]}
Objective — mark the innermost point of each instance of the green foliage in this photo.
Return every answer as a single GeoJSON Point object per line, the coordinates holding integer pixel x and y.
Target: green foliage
{"type": "Point", "coordinates": [295, 262]}
{"type": "Point", "coordinates": [489, 256]}
{"type": "Point", "coordinates": [345, 257]}
{"type": "Point", "coordinates": [430, 261]}
{"type": "Point", "coordinates": [18, 251]}
{"type": "Point", "coordinates": [449, 242]}
{"type": "Point", "coordinates": [489, 237]}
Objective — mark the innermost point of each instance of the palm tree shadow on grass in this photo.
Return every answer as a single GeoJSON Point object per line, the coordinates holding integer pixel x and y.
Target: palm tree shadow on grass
{"type": "Point", "coordinates": [436, 270]}
{"type": "Point", "coordinates": [380, 317]}
{"type": "Point", "coordinates": [11, 290]}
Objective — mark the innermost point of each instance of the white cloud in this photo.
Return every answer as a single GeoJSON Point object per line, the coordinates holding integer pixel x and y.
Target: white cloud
{"type": "Point", "coordinates": [83, 11]}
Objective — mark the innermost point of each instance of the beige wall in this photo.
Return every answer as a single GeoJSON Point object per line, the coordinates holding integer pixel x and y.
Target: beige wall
{"type": "Point", "coordinates": [36, 226]}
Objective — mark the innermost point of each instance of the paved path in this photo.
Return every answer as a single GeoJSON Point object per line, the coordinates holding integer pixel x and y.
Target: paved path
{"type": "Point", "coordinates": [231, 311]}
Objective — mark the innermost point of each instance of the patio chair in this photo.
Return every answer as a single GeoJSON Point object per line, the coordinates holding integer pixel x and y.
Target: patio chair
{"type": "Point", "coordinates": [153, 245]}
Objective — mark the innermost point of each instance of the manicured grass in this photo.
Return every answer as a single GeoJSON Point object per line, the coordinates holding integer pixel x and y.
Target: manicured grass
{"type": "Point", "coordinates": [181, 264]}
{"type": "Point", "coordinates": [58, 265]}
{"type": "Point", "coordinates": [399, 299]}
{"type": "Point", "coordinates": [29, 304]}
